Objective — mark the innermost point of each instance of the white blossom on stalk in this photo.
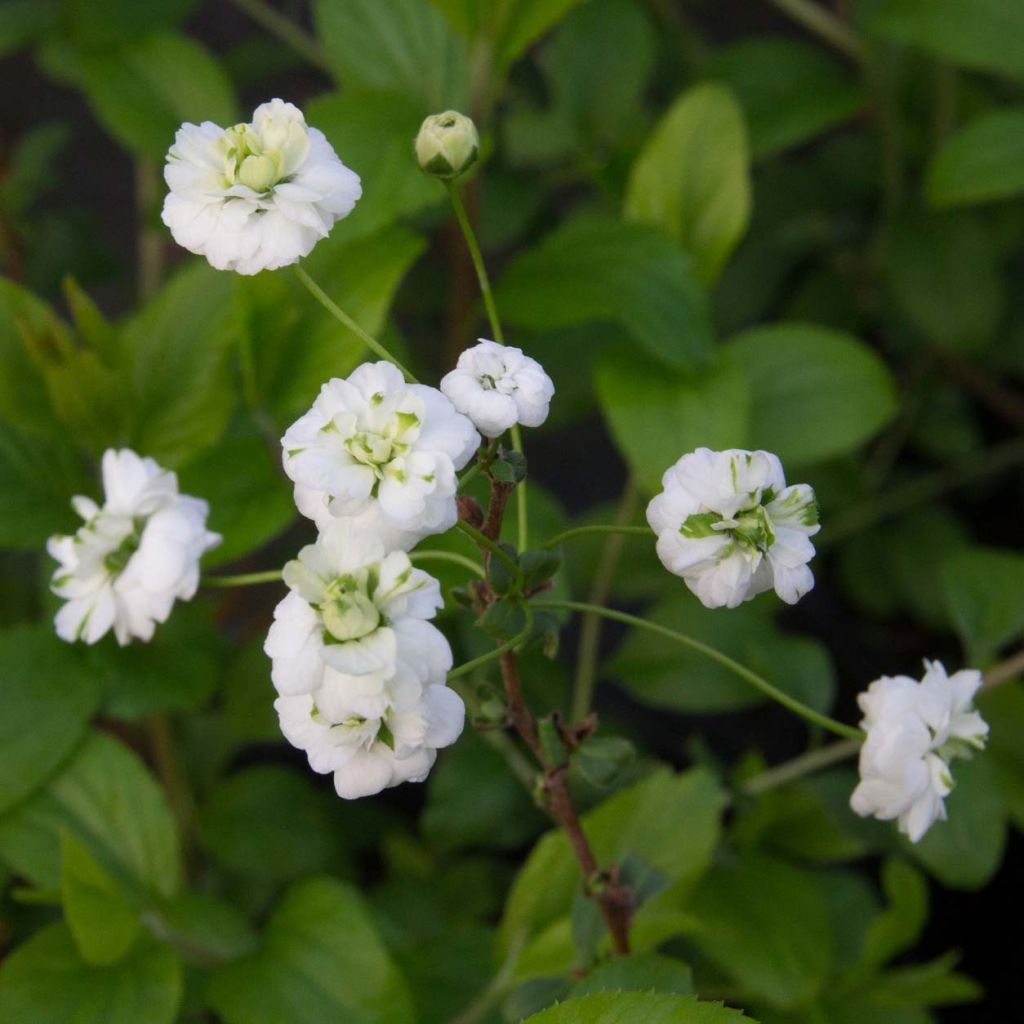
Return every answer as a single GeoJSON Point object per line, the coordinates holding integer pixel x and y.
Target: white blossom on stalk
{"type": "Point", "coordinates": [378, 730]}
{"type": "Point", "coordinates": [134, 556]}
{"type": "Point", "coordinates": [914, 729]}
{"type": "Point", "coordinates": [497, 386]}
{"type": "Point", "coordinates": [381, 453]}
{"type": "Point", "coordinates": [348, 598]}
{"type": "Point", "coordinates": [255, 196]}
{"type": "Point", "coordinates": [731, 528]}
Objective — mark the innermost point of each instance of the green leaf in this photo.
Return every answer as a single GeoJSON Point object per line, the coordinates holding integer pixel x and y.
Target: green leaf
{"type": "Point", "coordinates": [97, 23]}
{"type": "Point", "coordinates": [176, 348]}
{"type": "Point", "coordinates": [509, 26]}
{"type": "Point", "coordinates": [24, 21]}
{"type": "Point", "coordinates": [789, 91]}
{"type": "Point", "coordinates": [210, 927]}
{"type": "Point", "coordinates": [638, 972]}
{"type": "Point", "coordinates": [373, 133]}
{"type": "Point", "coordinates": [321, 961]}
{"type": "Point", "coordinates": [944, 273]}
{"type": "Point", "coordinates": [48, 695]}
{"type": "Point", "coordinates": [1003, 708]}
{"type": "Point", "coordinates": [249, 696]}
{"type": "Point", "coordinates": [251, 820]}
{"type": "Point", "coordinates": [777, 948]}
{"type": "Point", "coordinates": [899, 925]}
{"type": "Point", "coordinates": [664, 674]}
{"type": "Point", "coordinates": [656, 415]}
{"type": "Point", "coordinates": [984, 161]}
{"type": "Point", "coordinates": [107, 800]}
{"type": "Point", "coordinates": [693, 177]}
{"type": "Point", "coordinates": [816, 393]}
{"type": "Point", "coordinates": [598, 269]}
{"type": "Point", "coordinates": [45, 981]}
{"type": "Point", "coordinates": [668, 822]}
{"type": "Point", "coordinates": [144, 90]}
{"type": "Point", "coordinates": [637, 1008]}
{"type": "Point", "coordinates": [984, 591]}
{"type": "Point", "coordinates": [247, 509]}
{"type": "Point", "coordinates": [965, 851]}
{"type": "Point", "coordinates": [984, 34]}
{"type": "Point", "coordinates": [404, 47]}
{"type": "Point", "coordinates": [102, 920]}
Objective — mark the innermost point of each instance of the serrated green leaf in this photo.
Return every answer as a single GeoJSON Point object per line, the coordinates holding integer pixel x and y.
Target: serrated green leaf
{"type": "Point", "coordinates": [815, 393]}
{"type": "Point", "coordinates": [638, 972]}
{"type": "Point", "coordinates": [49, 693]}
{"type": "Point", "coordinates": [982, 162]}
{"type": "Point", "coordinates": [320, 959]}
{"type": "Point", "coordinates": [596, 269]}
{"type": "Point", "coordinates": [656, 415]}
{"type": "Point", "coordinates": [108, 801]}
{"type": "Point", "coordinates": [45, 981]}
{"type": "Point", "coordinates": [693, 177]}
{"type": "Point", "coordinates": [637, 1008]}
{"type": "Point", "coordinates": [101, 918]}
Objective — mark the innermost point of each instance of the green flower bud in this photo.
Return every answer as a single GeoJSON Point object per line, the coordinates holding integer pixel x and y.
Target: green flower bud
{"type": "Point", "coordinates": [447, 144]}
{"type": "Point", "coordinates": [349, 616]}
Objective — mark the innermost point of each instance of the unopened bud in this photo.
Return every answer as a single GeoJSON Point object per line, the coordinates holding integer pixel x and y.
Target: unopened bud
{"type": "Point", "coordinates": [447, 144]}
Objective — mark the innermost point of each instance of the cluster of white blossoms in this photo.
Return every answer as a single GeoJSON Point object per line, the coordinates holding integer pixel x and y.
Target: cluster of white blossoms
{"type": "Point", "coordinates": [360, 672]}
{"type": "Point", "coordinates": [255, 196]}
{"type": "Point", "coordinates": [914, 730]}
{"type": "Point", "coordinates": [497, 387]}
{"type": "Point", "coordinates": [731, 528]}
{"type": "Point", "coordinates": [134, 556]}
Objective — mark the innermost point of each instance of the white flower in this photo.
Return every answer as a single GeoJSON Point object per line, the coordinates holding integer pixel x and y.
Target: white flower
{"type": "Point", "coordinates": [914, 729]}
{"type": "Point", "coordinates": [255, 196]}
{"type": "Point", "coordinates": [731, 528]}
{"type": "Point", "coordinates": [348, 599]}
{"type": "Point", "coordinates": [380, 452]}
{"type": "Point", "coordinates": [497, 386]}
{"type": "Point", "coordinates": [134, 557]}
{"type": "Point", "coordinates": [378, 730]}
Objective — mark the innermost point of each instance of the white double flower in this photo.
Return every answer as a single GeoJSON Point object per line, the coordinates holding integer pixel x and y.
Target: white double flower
{"type": "Point", "coordinates": [380, 453]}
{"type": "Point", "coordinates": [256, 196]}
{"type": "Point", "coordinates": [135, 555]}
{"type": "Point", "coordinates": [731, 528]}
{"type": "Point", "coordinates": [914, 730]}
{"type": "Point", "coordinates": [360, 673]}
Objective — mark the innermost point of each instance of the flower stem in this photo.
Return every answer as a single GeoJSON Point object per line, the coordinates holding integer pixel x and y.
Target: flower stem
{"type": "Point", "coordinates": [342, 317]}
{"type": "Point", "coordinates": [499, 651]}
{"type": "Point", "coordinates": [247, 579]}
{"type": "Point", "coordinates": [798, 767]}
{"type": "Point", "coordinates": [522, 518]}
{"type": "Point", "coordinates": [431, 555]}
{"type": "Point", "coordinates": [579, 531]}
{"type": "Point", "coordinates": [824, 24]}
{"type": "Point", "coordinates": [287, 31]}
{"type": "Point", "coordinates": [846, 731]}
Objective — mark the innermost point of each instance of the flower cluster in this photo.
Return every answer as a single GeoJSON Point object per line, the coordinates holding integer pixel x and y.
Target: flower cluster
{"type": "Point", "coordinates": [256, 196]}
{"type": "Point", "coordinates": [731, 528]}
{"type": "Point", "coordinates": [914, 730]}
{"type": "Point", "coordinates": [133, 557]}
{"type": "Point", "coordinates": [360, 672]}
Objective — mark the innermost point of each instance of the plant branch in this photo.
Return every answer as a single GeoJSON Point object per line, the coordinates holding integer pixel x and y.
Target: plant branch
{"type": "Point", "coordinates": [600, 590]}
{"type": "Point", "coordinates": [490, 546]}
{"type": "Point", "coordinates": [342, 317]}
{"type": "Point", "coordinates": [823, 23]}
{"type": "Point", "coordinates": [292, 35]}
{"type": "Point", "coordinates": [431, 555]}
{"type": "Point", "coordinates": [498, 652]}
{"type": "Point", "coordinates": [1004, 671]}
{"type": "Point", "coordinates": [815, 717]}
{"type": "Point", "coordinates": [150, 241]}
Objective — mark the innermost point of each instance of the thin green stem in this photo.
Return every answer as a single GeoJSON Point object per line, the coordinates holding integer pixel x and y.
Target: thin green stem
{"type": "Point", "coordinates": [589, 650]}
{"type": "Point", "coordinates": [508, 645]}
{"type": "Point", "coordinates": [286, 30]}
{"type": "Point", "coordinates": [495, 549]}
{"type": "Point", "coordinates": [431, 555]}
{"type": "Point", "coordinates": [798, 767]}
{"type": "Point", "coordinates": [846, 731]}
{"type": "Point", "coordinates": [247, 579]}
{"type": "Point", "coordinates": [824, 24]}
{"type": "Point", "coordinates": [580, 531]}
{"type": "Point", "coordinates": [342, 317]}
{"type": "Point", "coordinates": [522, 511]}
